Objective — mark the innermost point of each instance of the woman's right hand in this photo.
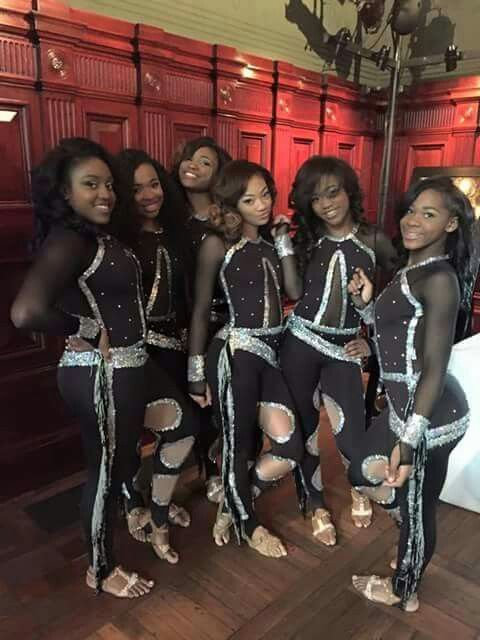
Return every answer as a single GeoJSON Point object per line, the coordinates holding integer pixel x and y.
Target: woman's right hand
{"type": "Point", "coordinates": [203, 401]}
{"type": "Point", "coordinates": [75, 343]}
{"type": "Point", "coordinates": [360, 288]}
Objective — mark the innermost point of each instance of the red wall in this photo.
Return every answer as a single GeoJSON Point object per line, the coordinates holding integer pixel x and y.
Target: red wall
{"type": "Point", "coordinates": [65, 72]}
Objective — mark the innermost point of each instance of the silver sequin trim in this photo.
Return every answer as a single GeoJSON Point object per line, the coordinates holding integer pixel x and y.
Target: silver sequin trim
{"type": "Point", "coordinates": [283, 246]}
{"type": "Point", "coordinates": [82, 280]}
{"type": "Point", "coordinates": [415, 427]}
{"type": "Point", "coordinates": [365, 467]}
{"type": "Point", "coordinates": [120, 357]}
{"type": "Point", "coordinates": [300, 330]}
{"type": "Point", "coordinates": [161, 253]}
{"type": "Point", "coordinates": [336, 430]}
{"type": "Point", "coordinates": [269, 270]}
{"type": "Point", "coordinates": [245, 340]}
{"type": "Point", "coordinates": [367, 314]}
{"type": "Point", "coordinates": [312, 443]}
{"type": "Point", "coordinates": [164, 342]}
{"type": "Point", "coordinates": [88, 327]}
{"type": "Point", "coordinates": [291, 417]}
{"type": "Point", "coordinates": [291, 466]}
{"type": "Point", "coordinates": [317, 479]}
{"type": "Point", "coordinates": [178, 415]}
{"type": "Point", "coordinates": [196, 368]}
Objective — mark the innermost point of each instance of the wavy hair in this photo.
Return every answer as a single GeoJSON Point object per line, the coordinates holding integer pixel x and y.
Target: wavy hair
{"type": "Point", "coordinates": [188, 150]}
{"type": "Point", "coordinates": [309, 227]}
{"type": "Point", "coordinates": [460, 244]}
{"type": "Point", "coordinates": [228, 188]}
{"type": "Point", "coordinates": [49, 178]}
{"type": "Point", "coordinates": [173, 213]}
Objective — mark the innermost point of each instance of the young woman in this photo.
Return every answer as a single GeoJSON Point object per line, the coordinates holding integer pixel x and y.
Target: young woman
{"type": "Point", "coordinates": [321, 344]}
{"type": "Point", "coordinates": [156, 230]}
{"type": "Point", "coordinates": [195, 170]}
{"type": "Point", "coordinates": [241, 376]}
{"type": "Point", "coordinates": [402, 462]}
{"type": "Point", "coordinates": [84, 282]}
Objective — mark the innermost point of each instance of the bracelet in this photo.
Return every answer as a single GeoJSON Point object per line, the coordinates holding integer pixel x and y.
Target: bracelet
{"type": "Point", "coordinates": [196, 369]}
{"type": "Point", "coordinates": [414, 429]}
{"type": "Point", "coordinates": [367, 314]}
{"type": "Point", "coordinates": [283, 246]}
{"type": "Point", "coordinates": [87, 328]}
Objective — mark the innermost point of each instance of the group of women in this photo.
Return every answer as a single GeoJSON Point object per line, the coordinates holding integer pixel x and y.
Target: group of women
{"type": "Point", "coordinates": [170, 291]}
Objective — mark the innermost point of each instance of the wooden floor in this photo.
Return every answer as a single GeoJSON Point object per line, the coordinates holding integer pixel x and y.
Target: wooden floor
{"type": "Point", "coordinates": [231, 592]}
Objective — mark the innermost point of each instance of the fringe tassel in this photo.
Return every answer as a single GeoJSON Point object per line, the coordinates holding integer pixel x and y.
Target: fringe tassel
{"type": "Point", "coordinates": [101, 403]}
{"type": "Point", "coordinates": [411, 566]}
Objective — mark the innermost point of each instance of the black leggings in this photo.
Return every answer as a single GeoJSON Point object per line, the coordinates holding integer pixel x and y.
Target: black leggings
{"type": "Point", "coordinates": [377, 444]}
{"type": "Point", "coordinates": [257, 389]}
{"type": "Point", "coordinates": [170, 415]}
{"type": "Point", "coordinates": [305, 369]}
{"type": "Point", "coordinates": [76, 386]}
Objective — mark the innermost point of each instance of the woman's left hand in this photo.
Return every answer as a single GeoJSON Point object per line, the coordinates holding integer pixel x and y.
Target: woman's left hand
{"type": "Point", "coordinates": [396, 474]}
{"type": "Point", "coordinates": [358, 348]}
{"type": "Point", "coordinates": [280, 225]}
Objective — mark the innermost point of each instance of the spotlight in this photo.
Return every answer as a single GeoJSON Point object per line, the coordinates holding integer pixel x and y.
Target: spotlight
{"type": "Point", "coordinates": [452, 56]}
{"type": "Point", "coordinates": [381, 57]}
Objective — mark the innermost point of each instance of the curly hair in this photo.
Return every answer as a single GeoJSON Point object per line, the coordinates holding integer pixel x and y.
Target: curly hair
{"type": "Point", "coordinates": [173, 214]}
{"type": "Point", "coordinates": [188, 150]}
{"type": "Point", "coordinates": [459, 245]}
{"type": "Point", "coordinates": [49, 178]}
{"type": "Point", "coordinates": [309, 227]}
{"type": "Point", "coordinates": [228, 188]}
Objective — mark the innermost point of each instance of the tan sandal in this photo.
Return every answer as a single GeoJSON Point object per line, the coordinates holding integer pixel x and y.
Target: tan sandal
{"type": "Point", "coordinates": [362, 511]}
{"type": "Point", "coordinates": [137, 519]}
{"type": "Point", "coordinates": [161, 544]}
{"type": "Point", "coordinates": [323, 527]}
{"type": "Point", "coordinates": [221, 528]}
{"type": "Point", "coordinates": [134, 586]}
{"type": "Point", "coordinates": [214, 489]}
{"type": "Point", "coordinates": [266, 543]}
{"type": "Point", "coordinates": [380, 590]}
{"type": "Point", "coordinates": [178, 516]}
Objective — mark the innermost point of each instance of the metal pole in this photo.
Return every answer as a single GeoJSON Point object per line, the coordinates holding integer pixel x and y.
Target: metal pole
{"type": "Point", "coordinates": [390, 130]}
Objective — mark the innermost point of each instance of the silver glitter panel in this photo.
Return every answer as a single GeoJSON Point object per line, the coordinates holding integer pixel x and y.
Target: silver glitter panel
{"type": "Point", "coordinates": [88, 327]}
{"type": "Point", "coordinates": [283, 246]}
{"type": "Point", "coordinates": [268, 268]}
{"type": "Point", "coordinates": [328, 286]}
{"type": "Point", "coordinates": [298, 328]}
{"type": "Point", "coordinates": [82, 280]}
{"type": "Point", "coordinates": [196, 368]}
{"type": "Point", "coordinates": [245, 340]}
{"type": "Point", "coordinates": [415, 427]}
{"type": "Point", "coordinates": [311, 444]}
{"type": "Point", "coordinates": [165, 342]}
{"type": "Point", "coordinates": [291, 417]}
{"type": "Point", "coordinates": [317, 479]}
{"type": "Point", "coordinates": [120, 357]}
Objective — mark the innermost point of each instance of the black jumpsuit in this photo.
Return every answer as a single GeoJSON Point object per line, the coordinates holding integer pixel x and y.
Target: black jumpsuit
{"type": "Point", "coordinates": [427, 411]}
{"type": "Point", "coordinates": [242, 368]}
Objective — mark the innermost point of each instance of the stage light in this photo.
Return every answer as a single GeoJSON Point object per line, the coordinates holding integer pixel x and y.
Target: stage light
{"type": "Point", "coordinates": [452, 56]}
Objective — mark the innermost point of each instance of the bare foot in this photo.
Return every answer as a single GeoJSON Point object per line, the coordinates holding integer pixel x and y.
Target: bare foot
{"type": "Point", "coordinates": [361, 510]}
{"type": "Point", "coordinates": [266, 543]}
{"type": "Point", "coordinates": [178, 516]}
{"type": "Point", "coordinates": [214, 489]}
{"type": "Point", "coordinates": [380, 590]}
{"type": "Point", "coordinates": [121, 583]}
{"type": "Point", "coordinates": [161, 544]}
{"type": "Point", "coordinates": [323, 528]}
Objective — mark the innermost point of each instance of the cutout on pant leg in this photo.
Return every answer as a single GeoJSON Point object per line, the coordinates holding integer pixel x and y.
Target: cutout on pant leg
{"type": "Point", "coordinates": [271, 468]}
{"type": "Point", "coordinates": [277, 421]}
{"type": "Point", "coordinates": [174, 454]}
{"type": "Point", "coordinates": [374, 467]}
{"type": "Point", "coordinates": [317, 479]}
{"type": "Point", "coordinates": [381, 495]}
{"type": "Point", "coordinates": [164, 414]}
{"type": "Point", "coordinates": [312, 443]}
{"type": "Point", "coordinates": [162, 488]}
{"type": "Point", "coordinates": [317, 398]}
{"type": "Point", "coordinates": [335, 414]}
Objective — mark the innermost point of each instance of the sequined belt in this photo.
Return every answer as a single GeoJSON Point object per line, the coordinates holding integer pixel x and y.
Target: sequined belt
{"type": "Point", "coordinates": [299, 327]}
{"type": "Point", "coordinates": [437, 436]}
{"type": "Point", "coordinates": [134, 355]}
{"type": "Point", "coordinates": [247, 339]}
{"type": "Point", "coordinates": [164, 342]}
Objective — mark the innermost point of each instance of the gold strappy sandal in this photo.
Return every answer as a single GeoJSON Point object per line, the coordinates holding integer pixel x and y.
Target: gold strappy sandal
{"type": "Point", "coordinates": [221, 528]}
{"type": "Point", "coordinates": [379, 590]}
{"type": "Point", "coordinates": [161, 544]}
{"type": "Point", "coordinates": [178, 516]}
{"type": "Point", "coordinates": [323, 527]}
{"type": "Point", "coordinates": [137, 519]}
{"type": "Point", "coordinates": [362, 511]}
{"type": "Point", "coordinates": [266, 543]}
{"type": "Point", "coordinates": [132, 581]}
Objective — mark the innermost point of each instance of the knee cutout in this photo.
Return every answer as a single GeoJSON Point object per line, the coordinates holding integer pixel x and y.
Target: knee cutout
{"type": "Point", "coordinates": [174, 454]}
{"type": "Point", "coordinates": [381, 495]}
{"type": "Point", "coordinates": [374, 467]}
{"type": "Point", "coordinates": [162, 488]}
{"type": "Point", "coordinates": [271, 468]}
{"type": "Point", "coordinates": [335, 414]}
{"type": "Point", "coordinates": [277, 421]}
{"type": "Point", "coordinates": [317, 479]}
{"type": "Point", "coordinates": [317, 398]}
{"type": "Point", "coordinates": [312, 443]}
{"type": "Point", "coordinates": [164, 414]}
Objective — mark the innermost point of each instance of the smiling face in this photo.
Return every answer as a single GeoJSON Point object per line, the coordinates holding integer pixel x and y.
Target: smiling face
{"type": "Point", "coordinates": [148, 192]}
{"type": "Point", "coordinates": [255, 206]}
{"type": "Point", "coordinates": [196, 174]}
{"type": "Point", "coordinates": [330, 203]}
{"type": "Point", "coordinates": [424, 227]}
{"type": "Point", "coordinates": [90, 190]}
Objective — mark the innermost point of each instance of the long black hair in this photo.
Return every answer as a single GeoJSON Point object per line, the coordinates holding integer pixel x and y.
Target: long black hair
{"type": "Point", "coordinates": [309, 227]}
{"type": "Point", "coordinates": [187, 152]}
{"type": "Point", "coordinates": [459, 244]}
{"type": "Point", "coordinates": [173, 213]}
{"type": "Point", "coordinates": [49, 179]}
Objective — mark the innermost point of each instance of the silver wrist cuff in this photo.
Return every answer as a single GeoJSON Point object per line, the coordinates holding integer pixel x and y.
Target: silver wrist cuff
{"type": "Point", "coordinates": [367, 314]}
{"type": "Point", "coordinates": [88, 328]}
{"type": "Point", "coordinates": [414, 429]}
{"type": "Point", "coordinates": [196, 369]}
{"type": "Point", "coordinates": [283, 246]}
